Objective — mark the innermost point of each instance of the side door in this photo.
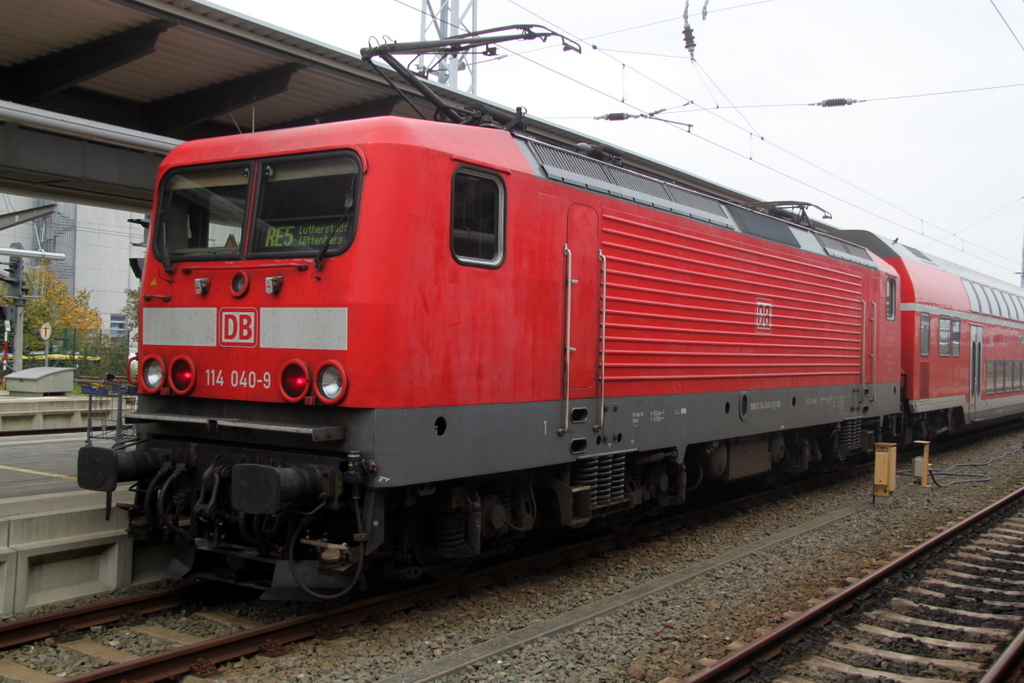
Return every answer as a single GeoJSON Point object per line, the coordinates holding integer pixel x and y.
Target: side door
{"type": "Point", "coordinates": [977, 370]}
{"type": "Point", "coordinates": [582, 240]}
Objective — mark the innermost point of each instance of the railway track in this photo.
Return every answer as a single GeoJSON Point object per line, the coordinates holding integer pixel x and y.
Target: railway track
{"type": "Point", "coordinates": [950, 610]}
{"type": "Point", "coordinates": [184, 653]}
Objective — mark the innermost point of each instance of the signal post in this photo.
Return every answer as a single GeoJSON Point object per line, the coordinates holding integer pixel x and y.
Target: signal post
{"type": "Point", "coordinates": [15, 279]}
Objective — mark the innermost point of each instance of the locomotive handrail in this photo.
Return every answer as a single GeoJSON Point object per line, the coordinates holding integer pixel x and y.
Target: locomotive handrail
{"type": "Point", "coordinates": [863, 347]}
{"type": "Point", "coordinates": [874, 348]}
{"type": "Point", "coordinates": [302, 265]}
{"type": "Point", "coordinates": [603, 335]}
{"type": "Point", "coordinates": [568, 332]}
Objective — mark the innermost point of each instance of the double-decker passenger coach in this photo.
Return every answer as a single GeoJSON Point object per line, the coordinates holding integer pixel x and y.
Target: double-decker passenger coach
{"type": "Point", "coordinates": [963, 342]}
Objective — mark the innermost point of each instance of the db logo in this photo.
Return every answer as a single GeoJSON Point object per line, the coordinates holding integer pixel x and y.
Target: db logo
{"type": "Point", "coordinates": [763, 315]}
{"type": "Point", "coordinates": [237, 327]}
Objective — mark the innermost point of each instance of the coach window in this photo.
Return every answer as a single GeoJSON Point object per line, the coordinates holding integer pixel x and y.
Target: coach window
{"type": "Point", "coordinates": [945, 330]}
{"type": "Point", "coordinates": [890, 299]}
{"type": "Point", "coordinates": [992, 304]}
{"type": "Point", "coordinates": [990, 377]}
{"type": "Point", "coordinates": [955, 338]}
{"type": "Point", "coordinates": [926, 333]}
{"type": "Point", "coordinates": [982, 299]}
{"type": "Point", "coordinates": [971, 295]}
{"type": "Point", "coordinates": [1018, 313]}
{"type": "Point", "coordinates": [1001, 300]}
{"type": "Point", "coordinates": [1000, 376]}
{"type": "Point", "coordinates": [478, 218]}
{"type": "Point", "coordinates": [1004, 304]}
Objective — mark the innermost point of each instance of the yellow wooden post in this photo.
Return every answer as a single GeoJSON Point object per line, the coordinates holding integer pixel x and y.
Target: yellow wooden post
{"type": "Point", "coordinates": [885, 471]}
{"type": "Point", "coordinates": [923, 470]}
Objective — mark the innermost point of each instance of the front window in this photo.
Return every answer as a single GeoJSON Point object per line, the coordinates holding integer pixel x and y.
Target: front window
{"type": "Point", "coordinates": [305, 206]}
{"type": "Point", "coordinates": [202, 214]}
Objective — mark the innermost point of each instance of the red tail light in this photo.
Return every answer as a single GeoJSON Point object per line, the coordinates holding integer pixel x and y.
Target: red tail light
{"type": "Point", "coordinates": [183, 375]}
{"type": "Point", "coordinates": [294, 381]}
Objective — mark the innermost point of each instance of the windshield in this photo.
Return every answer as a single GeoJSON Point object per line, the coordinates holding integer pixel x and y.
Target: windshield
{"type": "Point", "coordinates": [304, 205]}
{"type": "Point", "coordinates": [203, 212]}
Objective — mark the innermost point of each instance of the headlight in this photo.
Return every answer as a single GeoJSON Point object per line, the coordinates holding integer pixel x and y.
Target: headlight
{"type": "Point", "coordinates": [153, 373]}
{"type": "Point", "coordinates": [331, 381]}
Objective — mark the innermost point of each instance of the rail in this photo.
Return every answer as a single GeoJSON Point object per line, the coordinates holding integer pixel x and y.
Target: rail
{"type": "Point", "coordinates": [739, 663]}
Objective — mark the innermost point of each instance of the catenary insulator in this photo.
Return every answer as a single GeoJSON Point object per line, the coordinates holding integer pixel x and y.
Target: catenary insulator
{"type": "Point", "coordinates": [688, 40]}
{"type": "Point", "coordinates": [836, 102]}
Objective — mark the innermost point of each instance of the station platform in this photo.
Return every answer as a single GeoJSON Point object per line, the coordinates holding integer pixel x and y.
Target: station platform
{"type": "Point", "coordinates": [56, 540]}
{"type": "Point", "coordinates": [23, 413]}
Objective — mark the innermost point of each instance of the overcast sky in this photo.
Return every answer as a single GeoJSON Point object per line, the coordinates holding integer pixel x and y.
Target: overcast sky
{"type": "Point", "coordinates": [932, 156]}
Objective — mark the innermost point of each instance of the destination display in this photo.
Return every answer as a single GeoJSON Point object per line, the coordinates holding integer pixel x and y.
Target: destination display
{"type": "Point", "coordinates": [303, 236]}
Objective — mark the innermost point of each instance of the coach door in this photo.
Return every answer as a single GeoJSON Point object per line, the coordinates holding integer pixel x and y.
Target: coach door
{"type": "Point", "coordinates": [582, 299]}
{"type": "Point", "coordinates": [977, 369]}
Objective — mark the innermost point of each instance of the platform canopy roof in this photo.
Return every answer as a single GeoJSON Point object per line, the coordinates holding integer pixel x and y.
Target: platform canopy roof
{"type": "Point", "coordinates": [93, 93]}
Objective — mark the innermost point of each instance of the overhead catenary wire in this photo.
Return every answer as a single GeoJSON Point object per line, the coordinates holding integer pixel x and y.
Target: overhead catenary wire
{"type": "Point", "coordinates": [749, 157]}
{"type": "Point", "coordinates": [1008, 27]}
{"type": "Point", "coordinates": [640, 113]}
{"type": "Point", "coordinates": [1016, 200]}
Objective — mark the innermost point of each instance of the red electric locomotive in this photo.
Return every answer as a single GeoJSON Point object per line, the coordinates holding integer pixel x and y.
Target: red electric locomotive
{"type": "Point", "coordinates": [963, 349]}
{"type": "Point", "coordinates": [388, 346]}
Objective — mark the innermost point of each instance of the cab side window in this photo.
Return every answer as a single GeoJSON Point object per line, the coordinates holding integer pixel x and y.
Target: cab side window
{"type": "Point", "coordinates": [890, 298]}
{"type": "Point", "coordinates": [478, 218]}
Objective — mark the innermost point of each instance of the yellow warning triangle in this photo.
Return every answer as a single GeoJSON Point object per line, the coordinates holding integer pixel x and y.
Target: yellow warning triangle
{"type": "Point", "coordinates": [231, 241]}
{"type": "Point", "coordinates": [153, 282]}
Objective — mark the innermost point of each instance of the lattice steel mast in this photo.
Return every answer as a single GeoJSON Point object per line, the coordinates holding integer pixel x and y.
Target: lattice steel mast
{"type": "Point", "coordinates": [451, 18]}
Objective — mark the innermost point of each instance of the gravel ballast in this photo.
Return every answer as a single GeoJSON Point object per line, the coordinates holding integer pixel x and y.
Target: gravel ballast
{"type": "Point", "coordinates": [666, 635]}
